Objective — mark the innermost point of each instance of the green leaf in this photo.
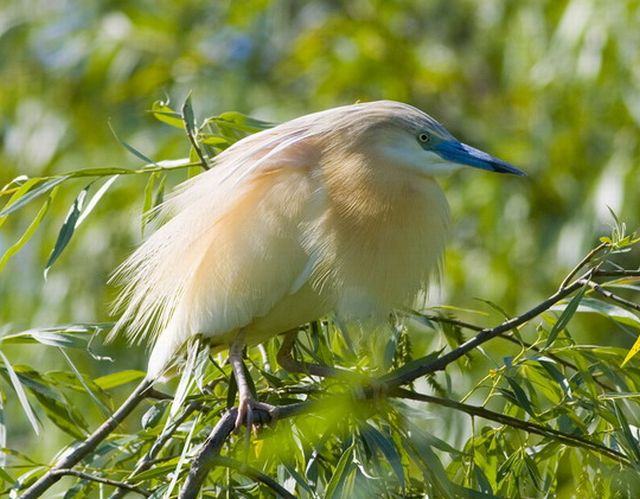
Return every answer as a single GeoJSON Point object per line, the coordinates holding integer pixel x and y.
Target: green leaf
{"type": "Point", "coordinates": [95, 199]}
{"type": "Point", "coordinates": [132, 149]}
{"type": "Point", "coordinates": [67, 229]}
{"type": "Point", "coordinates": [20, 191]}
{"type": "Point", "coordinates": [33, 194]}
{"type": "Point", "coordinates": [153, 415]}
{"type": "Point", "coordinates": [631, 353]}
{"type": "Point", "coordinates": [242, 122]}
{"type": "Point", "coordinates": [22, 396]}
{"type": "Point", "coordinates": [148, 200]}
{"type": "Point", "coordinates": [28, 233]}
{"type": "Point", "coordinates": [614, 312]}
{"type": "Point", "coordinates": [565, 317]}
{"type": "Point", "coordinates": [65, 335]}
{"type": "Point", "coordinates": [382, 441]}
{"type": "Point", "coordinates": [118, 379]}
{"type": "Point", "coordinates": [520, 395]}
{"type": "Point", "coordinates": [162, 112]}
{"type": "Point", "coordinates": [187, 114]}
{"type": "Point", "coordinates": [344, 467]}
{"type": "Point", "coordinates": [86, 384]}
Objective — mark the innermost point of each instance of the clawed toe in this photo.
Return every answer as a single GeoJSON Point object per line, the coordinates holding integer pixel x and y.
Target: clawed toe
{"type": "Point", "coordinates": [247, 416]}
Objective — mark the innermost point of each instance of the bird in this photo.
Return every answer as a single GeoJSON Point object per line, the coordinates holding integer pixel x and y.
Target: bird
{"type": "Point", "coordinates": [335, 212]}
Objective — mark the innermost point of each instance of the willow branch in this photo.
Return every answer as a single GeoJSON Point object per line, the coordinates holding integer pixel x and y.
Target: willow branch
{"type": "Point", "coordinates": [145, 462]}
{"type": "Point", "coordinates": [254, 474]}
{"type": "Point", "coordinates": [81, 450]}
{"type": "Point", "coordinates": [209, 451]}
{"type": "Point", "coordinates": [617, 273]}
{"type": "Point", "coordinates": [403, 376]}
{"type": "Point", "coordinates": [506, 337]}
{"type": "Point", "coordinates": [93, 478]}
{"type": "Point", "coordinates": [527, 426]}
{"type": "Point", "coordinates": [612, 296]}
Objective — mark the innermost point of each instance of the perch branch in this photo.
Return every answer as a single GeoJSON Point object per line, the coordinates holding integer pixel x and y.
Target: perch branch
{"type": "Point", "coordinates": [114, 483]}
{"type": "Point", "coordinates": [403, 376]}
{"type": "Point", "coordinates": [528, 426]}
{"type": "Point", "coordinates": [77, 453]}
{"type": "Point", "coordinates": [206, 456]}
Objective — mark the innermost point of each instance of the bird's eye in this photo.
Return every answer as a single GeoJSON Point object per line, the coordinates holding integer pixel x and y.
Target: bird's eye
{"type": "Point", "coordinates": [424, 137]}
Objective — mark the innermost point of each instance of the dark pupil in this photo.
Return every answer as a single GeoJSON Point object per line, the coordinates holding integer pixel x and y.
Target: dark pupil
{"type": "Point", "coordinates": [424, 137]}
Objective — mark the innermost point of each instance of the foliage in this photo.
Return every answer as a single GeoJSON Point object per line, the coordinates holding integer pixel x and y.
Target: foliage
{"type": "Point", "coordinates": [553, 413]}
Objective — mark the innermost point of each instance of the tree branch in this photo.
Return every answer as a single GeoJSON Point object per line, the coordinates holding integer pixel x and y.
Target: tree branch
{"type": "Point", "coordinates": [206, 456]}
{"type": "Point", "coordinates": [403, 376]}
{"type": "Point", "coordinates": [114, 483]}
{"type": "Point", "coordinates": [612, 296]}
{"type": "Point", "coordinates": [145, 462]}
{"type": "Point", "coordinates": [254, 474]}
{"type": "Point", "coordinates": [84, 448]}
{"type": "Point", "coordinates": [528, 426]}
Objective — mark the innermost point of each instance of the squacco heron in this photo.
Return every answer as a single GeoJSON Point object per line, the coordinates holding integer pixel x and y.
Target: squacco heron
{"type": "Point", "coordinates": [334, 212]}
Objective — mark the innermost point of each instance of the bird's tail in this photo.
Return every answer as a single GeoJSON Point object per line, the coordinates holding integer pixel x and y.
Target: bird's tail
{"type": "Point", "coordinates": [164, 353]}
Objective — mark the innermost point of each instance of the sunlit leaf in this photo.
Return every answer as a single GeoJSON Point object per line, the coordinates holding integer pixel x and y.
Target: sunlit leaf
{"type": "Point", "coordinates": [22, 396]}
{"type": "Point", "coordinates": [36, 192]}
{"type": "Point", "coordinates": [119, 378]}
{"type": "Point", "coordinates": [28, 233]}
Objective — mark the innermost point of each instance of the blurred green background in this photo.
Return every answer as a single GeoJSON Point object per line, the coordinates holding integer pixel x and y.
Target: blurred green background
{"type": "Point", "coordinates": [550, 86]}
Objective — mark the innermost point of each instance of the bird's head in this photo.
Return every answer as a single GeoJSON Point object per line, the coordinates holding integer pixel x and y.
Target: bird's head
{"type": "Point", "coordinates": [403, 136]}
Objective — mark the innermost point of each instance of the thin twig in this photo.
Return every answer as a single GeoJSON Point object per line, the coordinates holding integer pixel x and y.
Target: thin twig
{"type": "Point", "coordinates": [403, 376]}
{"type": "Point", "coordinates": [145, 462]}
{"type": "Point", "coordinates": [206, 456]}
{"type": "Point", "coordinates": [90, 443]}
{"type": "Point", "coordinates": [114, 483]}
{"type": "Point", "coordinates": [582, 263]}
{"type": "Point", "coordinates": [613, 297]}
{"type": "Point", "coordinates": [617, 273]}
{"type": "Point", "coordinates": [192, 138]}
{"type": "Point", "coordinates": [254, 474]}
{"type": "Point", "coordinates": [527, 426]}
{"type": "Point", "coordinates": [511, 339]}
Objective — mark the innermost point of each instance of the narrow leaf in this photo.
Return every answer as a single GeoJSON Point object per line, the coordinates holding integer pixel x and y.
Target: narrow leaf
{"type": "Point", "coordinates": [67, 229]}
{"type": "Point", "coordinates": [33, 194]}
{"type": "Point", "coordinates": [22, 396]}
{"type": "Point", "coordinates": [19, 192]}
{"type": "Point", "coordinates": [95, 199]}
{"type": "Point", "coordinates": [28, 233]}
{"type": "Point", "coordinates": [118, 379]}
{"type": "Point", "coordinates": [565, 317]}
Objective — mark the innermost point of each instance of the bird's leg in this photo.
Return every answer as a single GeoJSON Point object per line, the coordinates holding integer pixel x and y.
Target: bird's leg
{"type": "Point", "coordinates": [288, 363]}
{"type": "Point", "coordinates": [246, 402]}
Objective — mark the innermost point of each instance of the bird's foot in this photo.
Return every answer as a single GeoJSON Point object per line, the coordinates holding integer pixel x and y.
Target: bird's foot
{"type": "Point", "coordinates": [247, 408]}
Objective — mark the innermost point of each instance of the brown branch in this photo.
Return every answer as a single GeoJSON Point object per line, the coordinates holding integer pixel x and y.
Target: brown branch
{"type": "Point", "coordinates": [417, 369]}
{"type": "Point", "coordinates": [71, 458]}
{"type": "Point", "coordinates": [145, 462]}
{"type": "Point", "coordinates": [209, 451]}
{"type": "Point", "coordinates": [254, 474]}
{"type": "Point", "coordinates": [582, 263]}
{"type": "Point", "coordinates": [616, 273]}
{"type": "Point", "coordinates": [114, 483]}
{"type": "Point", "coordinates": [506, 337]}
{"type": "Point", "coordinates": [613, 297]}
{"type": "Point", "coordinates": [527, 426]}
{"type": "Point", "coordinates": [208, 454]}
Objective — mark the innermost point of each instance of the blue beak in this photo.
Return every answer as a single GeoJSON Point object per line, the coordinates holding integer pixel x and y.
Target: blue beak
{"type": "Point", "coordinates": [463, 154]}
